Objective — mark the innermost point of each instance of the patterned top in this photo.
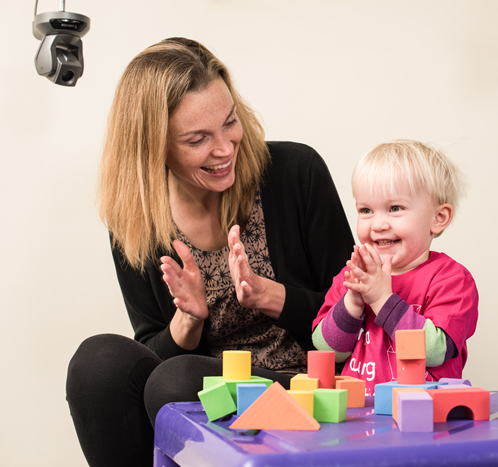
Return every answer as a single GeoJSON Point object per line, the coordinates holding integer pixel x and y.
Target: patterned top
{"type": "Point", "coordinates": [232, 327]}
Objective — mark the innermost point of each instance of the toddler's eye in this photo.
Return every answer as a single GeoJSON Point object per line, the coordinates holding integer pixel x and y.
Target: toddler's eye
{"type": "Point", "coordinates": [396, 208]}
{"type": "Point", "coordinates": [364, 211]}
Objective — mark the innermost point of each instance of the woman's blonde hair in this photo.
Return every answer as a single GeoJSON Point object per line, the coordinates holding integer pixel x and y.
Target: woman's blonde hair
{"type": "Point", "coordinates": [422, 167]}
{"type": "Point", "coordinates": [133, 181]}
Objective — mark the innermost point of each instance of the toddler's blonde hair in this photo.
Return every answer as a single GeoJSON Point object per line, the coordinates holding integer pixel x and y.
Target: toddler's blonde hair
{"type": "Point", "coordinates": [422, 167]}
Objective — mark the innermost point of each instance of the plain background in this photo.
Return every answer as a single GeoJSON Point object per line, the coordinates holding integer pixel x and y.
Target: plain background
{"type": "Point", "coordinates": [341, 76]}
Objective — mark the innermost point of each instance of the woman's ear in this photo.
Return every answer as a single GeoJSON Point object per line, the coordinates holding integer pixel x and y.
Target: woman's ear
{"type": "Point", "coordinates": [442, 218]}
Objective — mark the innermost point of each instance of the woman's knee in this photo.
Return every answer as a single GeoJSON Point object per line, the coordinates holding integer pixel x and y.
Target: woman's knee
{"type": "Point", "coordinates": [106, 359]}
{"type": "Point", "coordinates": [178, 379]}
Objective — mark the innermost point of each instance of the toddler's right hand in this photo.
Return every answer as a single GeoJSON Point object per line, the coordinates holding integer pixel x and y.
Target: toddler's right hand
{"type": "Point", "coordinates": [353, 301]}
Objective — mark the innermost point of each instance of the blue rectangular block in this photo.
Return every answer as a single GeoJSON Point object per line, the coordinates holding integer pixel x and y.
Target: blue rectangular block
{"type": "Point", "coordinates": [247, 394]}
{"type": "Point", "coordinates": [384, 394]}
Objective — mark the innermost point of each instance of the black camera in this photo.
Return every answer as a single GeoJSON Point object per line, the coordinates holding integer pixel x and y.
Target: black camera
{"type": "Point", "coordinates": [60, 56]}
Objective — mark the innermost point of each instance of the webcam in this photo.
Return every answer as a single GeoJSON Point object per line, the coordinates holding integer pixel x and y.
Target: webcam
{"type": "Point", "coordinates": [60, 56]}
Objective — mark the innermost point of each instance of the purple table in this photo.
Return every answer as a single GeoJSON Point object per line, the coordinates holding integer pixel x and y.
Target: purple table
{"type": "Point", "coordinates": [184, 436]}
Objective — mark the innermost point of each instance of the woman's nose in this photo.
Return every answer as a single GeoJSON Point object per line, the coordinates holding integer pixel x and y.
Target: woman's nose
{"type": "Point", "coordinates": [222, 146]}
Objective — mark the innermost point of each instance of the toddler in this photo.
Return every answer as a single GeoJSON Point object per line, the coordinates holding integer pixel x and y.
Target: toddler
{"type": "Point", "coordinates": [406, 193]}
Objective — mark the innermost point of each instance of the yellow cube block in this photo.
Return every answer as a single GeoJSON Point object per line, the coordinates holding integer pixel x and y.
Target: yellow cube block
{"type": "Point", "coordinates": [305, 399]}
{"type": "Point", "coordinates": [301, 382]}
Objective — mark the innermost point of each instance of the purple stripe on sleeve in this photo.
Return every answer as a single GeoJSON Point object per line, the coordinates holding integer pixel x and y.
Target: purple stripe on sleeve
{"type": "Point", "coordinates": [451, 349]}
{"type": "Point", "coordinates": [340, 329]}
{"type": "Point", "coordinates": [392, 315]}
{"type": "Point", "coordinates": [410, 320]}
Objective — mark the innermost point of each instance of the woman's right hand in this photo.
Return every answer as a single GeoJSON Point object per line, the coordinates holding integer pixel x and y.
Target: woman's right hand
{"type": "Point", "coordinates": [189, 296]}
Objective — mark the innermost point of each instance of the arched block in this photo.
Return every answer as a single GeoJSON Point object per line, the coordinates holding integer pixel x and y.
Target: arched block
{"type": "Point", "coordinates": [474, 399]}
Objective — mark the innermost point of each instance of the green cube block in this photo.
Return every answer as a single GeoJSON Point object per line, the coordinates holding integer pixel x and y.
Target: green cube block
{"type": "Point", "coordinates": [330, 405]}
{"type": "Point", "coordinates": [232, 383]}
{"type": "Point", "coordinates": [217, 401]}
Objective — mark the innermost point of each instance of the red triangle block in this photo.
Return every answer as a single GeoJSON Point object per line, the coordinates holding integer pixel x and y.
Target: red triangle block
{"type": "Point", "coordinates": [275, 409]}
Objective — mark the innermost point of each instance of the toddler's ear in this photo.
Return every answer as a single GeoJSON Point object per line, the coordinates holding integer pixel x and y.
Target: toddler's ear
{"type": "Point", "coordinates": [442, 218]}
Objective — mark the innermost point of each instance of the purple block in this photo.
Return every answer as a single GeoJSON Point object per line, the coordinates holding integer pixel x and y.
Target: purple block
{"type": "Point", "coordinates": [452, 381]}
{"type": "Point", "coordinates": [453, 386]}
{"type": "Point", "coordinates": [415, 412]}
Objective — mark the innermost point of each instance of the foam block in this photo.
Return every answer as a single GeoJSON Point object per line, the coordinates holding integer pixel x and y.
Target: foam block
{"type": "Point", "coordinates": [455, 381]}
{"type": "Point", "coordinates": [305, 399]}
{"type": "Point", "coordinates": [415, 412]}
{"type": "Point", "coordinates": [400, 390]}
{"type": "Point", "coordinates": [247, 394]}
{"type": "Point", "coordinates": [236, 364]}
{"type": "Point", "coordinates": [383, 403]}
{"type": "Point", "coordinates": [275, 409]}
{"type": "Point", "coordinates": [411, 371]}
{"type": "Point", "coordinates": [410, 344]}
{"type": "Point", "coordinates": [209, 381]}
{"type": "Point", "coordinates": [330, 405]}
{"type": "Point", "coordinates": [321, 365]}
{"type": "Point", "coordinates": [301, 382]}
{"type": "Point", "coordinates": [452, 386]}
{"type": "Point", "coordinates": [217, 401]}
{"type": "Point", "coordinates": [355, 388]}
{"type": "Point", "coordinates": [475, 400]}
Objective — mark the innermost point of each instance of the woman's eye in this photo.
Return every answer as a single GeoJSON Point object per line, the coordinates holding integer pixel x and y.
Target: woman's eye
{"type": "Point", "coordinates": [196, 142]}
{"type": "Point", "coordinates": [232, 122]}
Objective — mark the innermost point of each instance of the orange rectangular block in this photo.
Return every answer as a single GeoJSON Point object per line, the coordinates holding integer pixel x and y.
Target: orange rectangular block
{"type": "Point", "coordinates": [355, 388]}
{"type": "Point", "coordinates": [411, 371]}
{"type": "Point", "coordinates": [475, 400]}
{"type": "Point", "coordinates": [410, 344]}
{"type": "Point", "coordinates": [395, 399]}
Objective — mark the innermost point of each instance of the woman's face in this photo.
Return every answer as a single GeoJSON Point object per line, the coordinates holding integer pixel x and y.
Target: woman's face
{"type": "Point", "coordinates": [204, 136]}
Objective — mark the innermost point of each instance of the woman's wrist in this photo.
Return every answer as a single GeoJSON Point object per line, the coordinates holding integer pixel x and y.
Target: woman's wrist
{"type": "Point", "coordinates": [271, 298]}
{"type": "Point", "coordinates": [186, 330]}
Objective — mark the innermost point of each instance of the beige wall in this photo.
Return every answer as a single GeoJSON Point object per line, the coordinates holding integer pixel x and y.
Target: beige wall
{"type": "Point", "coordinates": [340, 76]}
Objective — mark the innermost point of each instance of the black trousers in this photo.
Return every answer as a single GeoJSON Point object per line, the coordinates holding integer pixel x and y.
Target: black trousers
{"type": "Point", "coordinates": [115, 388]}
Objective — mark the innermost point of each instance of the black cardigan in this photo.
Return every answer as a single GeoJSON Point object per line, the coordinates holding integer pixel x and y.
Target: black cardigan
{"type": "Point", "coordinates": [309, 242]}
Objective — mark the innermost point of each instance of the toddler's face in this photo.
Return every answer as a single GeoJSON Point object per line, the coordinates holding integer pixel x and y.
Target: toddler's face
{"type": "Point", "coordinates": [399, 225]}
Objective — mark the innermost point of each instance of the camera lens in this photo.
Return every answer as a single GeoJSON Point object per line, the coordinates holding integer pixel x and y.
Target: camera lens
{"type": "Point", "coordinates": [67, 75]}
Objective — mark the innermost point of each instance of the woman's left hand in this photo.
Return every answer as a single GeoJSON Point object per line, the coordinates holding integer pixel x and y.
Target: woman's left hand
{"type": "Point", "coordinates": [252, 291]}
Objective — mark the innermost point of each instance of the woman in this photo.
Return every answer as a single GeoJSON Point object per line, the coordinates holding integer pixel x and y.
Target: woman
{"type": "Point", "coordinates": [220, 240]}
